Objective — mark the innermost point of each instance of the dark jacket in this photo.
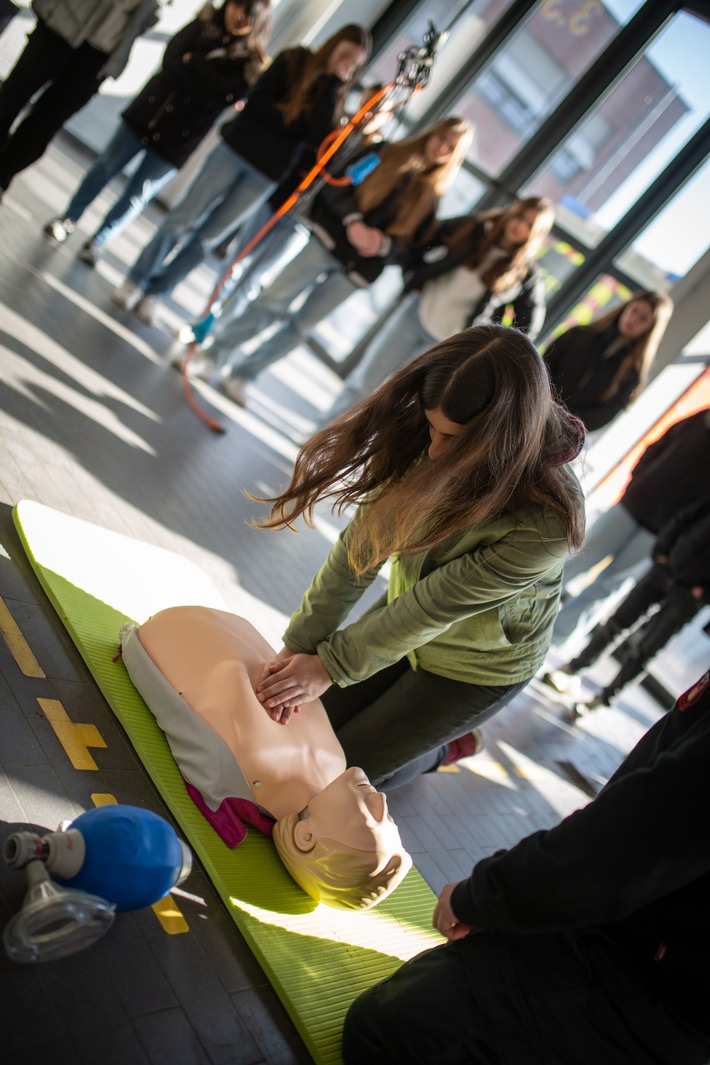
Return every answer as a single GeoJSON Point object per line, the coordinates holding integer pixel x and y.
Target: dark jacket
{"type": "Point", "coordinates": [671, 473]}
{"type": "Point", "coordinates": [527, 298]}
{"type": "Point", "coordinates": [685, 540]}
{"type": "Point", "coordinates": [633, 865]}
{"type": "Point", "coordinates": [582, 372]}
{"type": "Point", "coordinates": [335, 207]}
{"type": "Point", "coordinates": [177, 107]}
{"type": "Point", "coordinates": [259, 133]}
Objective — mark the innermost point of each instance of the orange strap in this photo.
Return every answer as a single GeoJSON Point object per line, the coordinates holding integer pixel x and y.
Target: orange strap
{"type": "Point", "coordinates": [325, 153]}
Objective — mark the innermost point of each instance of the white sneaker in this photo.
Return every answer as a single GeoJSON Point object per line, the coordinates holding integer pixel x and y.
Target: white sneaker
{"type": "Point", "coordinates": [146, 309]}
{"type": "Point", "coordinates": [235, 388]}
{"type": "Point", "coordinates": [58, 229]}
{"type": "Point", "coordinates": [183, 334]}
{"type": "Point", "coordinates": [127, 295]}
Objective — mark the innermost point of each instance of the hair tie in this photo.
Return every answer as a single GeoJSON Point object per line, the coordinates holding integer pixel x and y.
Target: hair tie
{"type": "Point", "coordinates": [577, 435]}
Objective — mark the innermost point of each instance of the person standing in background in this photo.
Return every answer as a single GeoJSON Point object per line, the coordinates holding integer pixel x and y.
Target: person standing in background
{"type": "Point", "coordinates": [676, 586]}
{"type": "Point", "coordinates": [74, 46]}
{"type": "Point", "coordinates": [355, 232]}
{"type": "Point", "coordinates": [292, 107]}
{"type": "Point", "coordinates": [471, 270]}
{"type": "Point", "coordinates": [670, 474]}
{"type": "Point", "coordinates": [208, 65]}
{"type": "Point", "coordinates": [599, 369]}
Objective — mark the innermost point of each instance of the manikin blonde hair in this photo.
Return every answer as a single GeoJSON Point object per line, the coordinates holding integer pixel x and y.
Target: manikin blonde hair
{"type": "Point", "coordinates": [335, 874]}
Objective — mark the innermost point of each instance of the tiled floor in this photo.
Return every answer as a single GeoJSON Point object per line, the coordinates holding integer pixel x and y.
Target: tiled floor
{"type": "Point", "coordinates": [94, 422]}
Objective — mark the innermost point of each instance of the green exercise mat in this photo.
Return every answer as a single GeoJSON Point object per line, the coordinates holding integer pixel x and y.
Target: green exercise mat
{"type": "Point", "coordinates": [317, 959]}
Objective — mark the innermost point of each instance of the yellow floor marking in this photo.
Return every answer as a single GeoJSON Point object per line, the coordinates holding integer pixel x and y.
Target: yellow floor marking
{"type": "Point", "coordinates": [166, 910]}
{"type": "Point", "coordinates": [17, 644]}
{"type": "Point", "coordinates": [75, 739]}
{"type": "Point", "coordinates": [171, 920]}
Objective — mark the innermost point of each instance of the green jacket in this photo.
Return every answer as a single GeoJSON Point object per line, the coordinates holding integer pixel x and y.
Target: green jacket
{"type": "Point", "coordinates": [478, 608]}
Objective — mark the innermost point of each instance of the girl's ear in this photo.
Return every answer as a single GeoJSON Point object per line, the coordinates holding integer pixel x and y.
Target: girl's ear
{"type": "Point", "coordinates": [303, 836]}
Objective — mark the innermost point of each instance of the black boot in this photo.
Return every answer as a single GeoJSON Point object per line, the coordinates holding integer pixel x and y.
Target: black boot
{"type": "Point", "coordinates": [602, 637]}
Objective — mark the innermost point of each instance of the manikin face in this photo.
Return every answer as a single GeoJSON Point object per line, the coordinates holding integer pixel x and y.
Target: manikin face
{"type": "Point", "coordinates": [352, 812]}
{"type": "Point", "coordinates": [345, 60]}
{"type": "Point", "coordinates": [636, 320]}
{"type": "Point", "coordinates": [236, 20]}
{"type": "Point", "coordinates": [440, 147]}
{"type": "Point", "coordinates": [518, 228]}
{"type": "Point", "coordinates": [442, 432]}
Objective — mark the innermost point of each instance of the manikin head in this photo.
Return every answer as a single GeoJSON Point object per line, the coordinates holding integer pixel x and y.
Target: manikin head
{"type": "Point", "coordinates": [344, 849]}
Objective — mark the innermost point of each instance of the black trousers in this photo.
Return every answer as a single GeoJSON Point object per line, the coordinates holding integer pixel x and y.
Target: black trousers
{"type": "Point", "coordinates": [501, 998]}
{"type": "Point", "coordinates": [396, 723]}
{"type": "Point", "coordinates": [71, 79]}
{"type": "Point", "coordinates": [647, 634]}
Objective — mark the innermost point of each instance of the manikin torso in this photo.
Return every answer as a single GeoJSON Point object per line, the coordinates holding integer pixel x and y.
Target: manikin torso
{"type": "Point", "coordinates": [213, 659]}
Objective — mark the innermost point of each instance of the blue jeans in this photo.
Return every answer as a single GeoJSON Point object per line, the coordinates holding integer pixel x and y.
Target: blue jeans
{"type": "Point", "coordinates": [401, 338]}
{"type": "Point", "coordinates": [147, 181]}
{"type": "Point", "coordinates": [224, 192]}
{"type": "Point", "coordinates": [256, 271]}
{"type": "Point", "coordinates": [313, 271]}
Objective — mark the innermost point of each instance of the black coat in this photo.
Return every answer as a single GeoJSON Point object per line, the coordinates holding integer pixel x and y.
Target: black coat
{"type": "Point", "coordinates": [581, 374]}
{"type": "Point", "coordinates": [177, 107]}
{"type": "Point", "coordinates": [633, 865]}
{"type": "Point", "coordinates": [259, 133]}
{"type": "Point", "coordinates": [671, 473]}
{"type": "Point", "coordinates": [527, 298]}
{"type": "Point", "coordinates": [685, 541]}
{"type": "Point", "coordinates": [334, 207]}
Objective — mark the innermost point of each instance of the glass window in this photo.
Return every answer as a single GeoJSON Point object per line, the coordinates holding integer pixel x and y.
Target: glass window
{"type": "Point", "coordinates": [534, 71]}
{"type": "Point", "coordinates": [619, 149]}
{"type": "Point", "coordinates": [464, 193]}
{"type": "Point", "coordinates": [470, 23]}
{"type": "Point", "coordinates": [558, 260]}
{"type": "Point", "coordinates": [666, 249]}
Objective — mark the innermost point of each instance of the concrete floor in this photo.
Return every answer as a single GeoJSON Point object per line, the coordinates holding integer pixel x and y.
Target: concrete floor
{"type": "Point", "coordinates": [94, 422]}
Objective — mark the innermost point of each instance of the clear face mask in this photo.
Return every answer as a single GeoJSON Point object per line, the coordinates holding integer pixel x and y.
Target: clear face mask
{"type": "Point", "coordinates": [54, 921]}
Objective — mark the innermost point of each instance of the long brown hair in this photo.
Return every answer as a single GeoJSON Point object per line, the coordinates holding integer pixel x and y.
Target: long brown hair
{"type": "Point", "coordinates": [420, 196]}
{"type": "Point", "coordinates": [512, 267]}
{"type": "Point", "coordinates": [313, 66]}
{"type": "Point", "coordinates": [644, 350]}
{"type": "Point", "coordinates": [489, 379]}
